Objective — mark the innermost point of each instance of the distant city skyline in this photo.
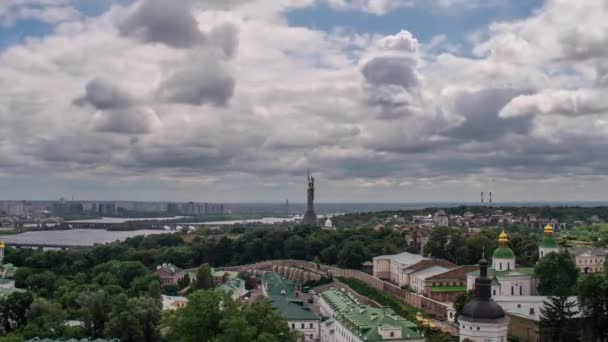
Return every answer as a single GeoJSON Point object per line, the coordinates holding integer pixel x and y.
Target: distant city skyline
{"type": "Point", "coordinates": [403, 101]}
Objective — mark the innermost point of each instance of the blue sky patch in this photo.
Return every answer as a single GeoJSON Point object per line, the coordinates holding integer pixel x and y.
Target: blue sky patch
{"type": "Point", "coordinates": [423, 21]}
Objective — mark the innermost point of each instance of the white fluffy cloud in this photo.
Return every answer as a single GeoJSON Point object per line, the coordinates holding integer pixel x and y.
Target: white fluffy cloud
{"type": "Point", "coordinates": [228, 95]}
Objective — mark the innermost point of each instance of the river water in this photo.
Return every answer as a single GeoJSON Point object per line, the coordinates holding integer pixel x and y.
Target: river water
{"type": "Point", "coordinates": [74, 237]}
{"type": "Point", "coordinates": [89, 237]}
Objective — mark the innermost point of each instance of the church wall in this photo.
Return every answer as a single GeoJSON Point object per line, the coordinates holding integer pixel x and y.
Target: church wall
{"type": "Point", "coordinates": [503, 264]}
{"type": "Point", "coordinates": [483, 332]}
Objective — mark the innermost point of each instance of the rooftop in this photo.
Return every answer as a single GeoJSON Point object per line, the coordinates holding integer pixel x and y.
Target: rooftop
{"type": "Point", "coordinates": [276, 285]}
{"type": "Point", "coordinates": [169, 268]}
{"type": "Point", "coordinates": [403, 258]}
{"type": "Point", "coordinates": [365, 321]}
{"type": "Point", "coordinates": [548, 242]}
{"type": "Point", "coordinates": [429, 272]}
{"type": "Point", "coordinates": [455, 273]}
{"type": "Point", "coordinates": [281, 296]}
{"type": "Point", "coordinates": [503, 253]}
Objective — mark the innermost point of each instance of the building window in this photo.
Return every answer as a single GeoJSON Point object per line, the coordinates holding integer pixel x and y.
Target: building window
{"type": "Point", "coordinates": [477, 328]}
{"type": "Point", "coordinates": [302, 325]}
{"type": "Point", "coordinates": [293, 325]}
{"type": "Point", "coordinates": [521, 290]}
{"type": "Point", "coordinates": [500, 265]}
{"type": "Point", "coordinates": [512, 291]}
{"type": "Point", "coordinates": [392, 334]}
{"type": "Point", "coordinates": [494, 292]}
{"type": "Point", "coordinates": [310, 325]}
{"type": "Point", "coordinates": [518, 305]}
{"type": "Point", "coordinates": [531, 311]}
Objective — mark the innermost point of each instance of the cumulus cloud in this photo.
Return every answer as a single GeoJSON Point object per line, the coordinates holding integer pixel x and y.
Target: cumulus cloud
{"type": "Point", "coordinates": [103, 95]}
{"type": "Point", "coordinates": [133, 120]}
{"type": "Point", "coordinates": [225, 37]}
{"type": "Point", "coordinates": [559, 102]}
{"type": "Point", "coordinates": [402, 41]}
{"type": "Point", "coordinates": [167, 22]}
{"type": "Point", "coordinates": [156, 96]}
{"type": "Point", "coordinates": [397, 71]}
{"type": "Point", "coordinates": [481, 114]}
{"type": "Point", "coordinates": [205, 81]}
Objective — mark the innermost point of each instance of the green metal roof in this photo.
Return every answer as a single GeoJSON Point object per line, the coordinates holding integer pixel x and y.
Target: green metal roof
{"type": "Point", "coordinates": [281, 296]}
{"type": "Point", "coordinates": [292, 309]}
{"type": "Point", "coordinates": [503, 253]}
{"type": "Point", "coordinates": [448, 288]}
{"type": "Point", "coordinates": [548, 242]}
{"type": "Point", "coordinates": [276, 285]}
{"type": "Point", "coordinates": [363, 320]}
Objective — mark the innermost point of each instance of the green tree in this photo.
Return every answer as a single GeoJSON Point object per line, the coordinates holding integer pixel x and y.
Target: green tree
{"type": "Point", "coordinates": [558, 320]}
{"type": "Point", "coordinates": [42, 283]}
{"type": "Point", "coordinates": [557, 274]}
{"type": "Point", "coordinates": [449, 244]}
{"type": "Point", "coordinates": [295, 248]}
{"type": "Point", "coordinates": [204, 278]}
{"type": "Point", "coordinates": [154, 290]}
{"type": "Point", "coordinates": [329, 255]}
{"type": "Point", "coordinates": [134, 319]}
{"type": "Point", "coordinates": [352, 254]}
{"type": "Point", "coordinates": [13, 309]}
{"type": "Point", "coordinates": [200, 320]}
{"type": "Point", "coordinates": [593, 301]}
{"type": "Point", "coordinates": [44, 319]}
{"type": "Point", "coordinates": [94, 312]}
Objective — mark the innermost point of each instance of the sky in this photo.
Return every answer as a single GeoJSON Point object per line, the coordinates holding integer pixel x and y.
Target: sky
{"type": "Point", "coordinates": [233, 100]}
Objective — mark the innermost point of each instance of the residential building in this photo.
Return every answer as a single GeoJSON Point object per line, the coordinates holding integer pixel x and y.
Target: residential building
{"type": "Point", "coordinates": [507, 279]}
{"type": "Point", "coordinates": [284, 299]}
{"type": "Point", "coordinates": [169, 274]}
{"type": "Point", "coordinates": [414, 275]}
{"type": "Point", "coordinates": [174, 302]}
{"type": "Point", "coordinates": [350, 321]}
{"type": "Point", "coordinates": [441, 219]}
{"type": "Point", "coordinates": [589, 259]}
{"type": "Point", "coordinates": [444, 287]}
{"type": "Point", "coordinates": [390, 267]}
{"type": "Point", "coordinates": [481, 319]}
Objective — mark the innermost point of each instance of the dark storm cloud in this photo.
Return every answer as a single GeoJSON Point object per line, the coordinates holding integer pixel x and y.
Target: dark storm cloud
{"type": "Point", "coordinates": [205, 82]}
{"type": "Point", "coordinates": [390, 70]}
{"type": "Point", "coordinates": [480, 110]}
{"type": "Point", "coordinates": [127, 121]}
{"type": "Point", "coordinates": [225, 37]}
{"type": "Point", "coordinates": [163, 21]}
{"type": "Point", "coordinates": [103, 95]}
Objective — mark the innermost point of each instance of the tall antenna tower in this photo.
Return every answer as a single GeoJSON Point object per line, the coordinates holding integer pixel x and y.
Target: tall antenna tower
{"type": "Point", "coordinates": [482, 197]}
